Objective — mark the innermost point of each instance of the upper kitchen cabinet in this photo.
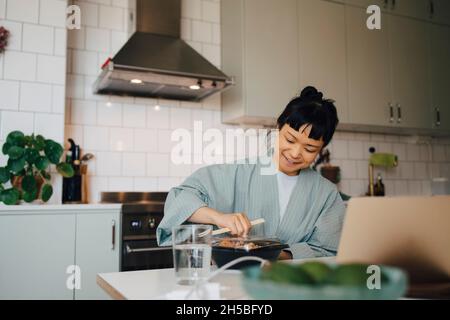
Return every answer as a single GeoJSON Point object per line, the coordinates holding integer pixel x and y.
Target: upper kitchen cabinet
{"type": "Point", "coordinates": [259, 48]}
{"type": "Point", "coordinates": [322, 52]}
{"type": "Point", "coordinates": [440, 11]}
{"type": "Point", "coordinates": [440, 76]}
{"type": "Point", "coordinates": [420, 9]}
{"type": "Point", "coordinates": [383, 4]}
{"type": "Point", "coordinates": [410, 71]}
{"type": "Point", "coordinates": [368, 65]}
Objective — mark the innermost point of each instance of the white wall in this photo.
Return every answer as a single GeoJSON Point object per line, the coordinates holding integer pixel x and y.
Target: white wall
{"type": "Point", "coordinates": [32, 71]}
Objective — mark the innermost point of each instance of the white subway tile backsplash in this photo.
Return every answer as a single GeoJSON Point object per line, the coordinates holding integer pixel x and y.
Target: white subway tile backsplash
{"type": "Point", "coordinates": [23, 10]}
{"type": "Point", "coordinates": [216, 35]}
{"type": "Point", "coordinates": [426, 188]}
{"type": "Point", "coordinates": [118, 39]}
{"type": "Point", "coordinates": [340, 149]}
{"type": "Point", "coordinates": [407, 170]}
{"type": "Point", "coordinates": [400, 150]}
{"type": "Point", "coordinates": [38, 39]}
{"type": "Point", "coordinates": [89, 14]}
{"type": "Point", "coordinates": [180, 118]}
{"type": "Point", "coordinates": [118, 184]}
{"type": "Point", "coordinates": [421, 171]}
{"type": "Point", "coordinates": [158, 118]}
{"type": "Point", "coordinates": [157, 164]}
{"type": "Point", "coordinates": [60, 42]}
{"type": "Point", "coordinates": [76, 133]}
{"type": "Point", "coordinates": [109, 163]}
{"type": "Point", "coordinates": [98, 39]}
{"type": "Point", "coordinates": [415, 188]}
{"type": "Point", "coordinates": [197, 46]}
{"type": "Point", "coordinates": [15, 34]}
{"type": "Point", "coordinates": [425, 152]}
{"type": "Point", "coordinates": [186, 29]}
{"type": "Point", "coordinates": [204, 116]}
{"type": "Point", "coordinates": [120, 3]}
{"type": "Point", "coordinates": [12, 120]}
{"type": "Point", "coordinates": [145, 140]}
{"type": "Point", "coordinates": [355, 150]}
{"type": "Point", "coordinates": [111, 18]}
{"type": "Point", "coordinates": [84, 112]}
{"type": "Point", "coordinates": [213, 102]}
{"type": "Point", "coordinates": [167, 183]}
{"type": "Point", "coordinates": [164, 141]}
{"type": "Point", "coordinates": [142, 184]}
{"type": "Point", "coordinates": [412, 152]}
{"type": "Point", "coordinates": [211, 11]}
{"type": "Point", "coordinates": [50, 69]}
{"type": "Point", "coordinates": [358, 187]}
{"type": "Point", "coordinates": [9, 93]}
{"type": "Point", "coordinates": [349, 169]}
{"type": "Point", "coordinates": [134, 164]}
{"type": "Point", "coordinates": [53, 13]}
{"type": "Point", "coordinates": [35, 97]}
{"type": "Point", "coordinates": [109, 114]}
{"type": "Point", "coordinates": [385, 147]}
{"type": "Point", "coordinates": [19, 66]}
{"type": "Point", "coordinates": [201, 31]}
{"type": "Point", "coordinates": [134, 116]}
{"type": "Point", "coordinates": [435, 170]}
{"type": "Point", "coordinates": [362, 168]}
{"type": "Point", "coordinates": [438, 153]}
{"type": "Point", "coordinates": [2, 9]}
{"type": "Point", "coordinates": [96, 186]}
{"type": "Point", "coordinates": [96, 138]}
{"type": "Point", "coordinates": [121, 139]}
{"type": "Point", "coordinates": [85, 62]}
{"type": "Point", "coordinates": [51, 126]}
{"type": "Point", "coordinates": [179, 170]}
{"type": "Point", "coordinates": [58, 99]}
{"type": "Point", "coordinates": [445, 169]}
{"type": "Point", "coordinates": [191, 9]}
{"type": "Point", "coordinates": [401, 188]}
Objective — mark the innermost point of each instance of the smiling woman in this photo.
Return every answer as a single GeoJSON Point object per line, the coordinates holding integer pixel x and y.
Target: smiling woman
{"type": "Point", "coordinates": [300, 207]}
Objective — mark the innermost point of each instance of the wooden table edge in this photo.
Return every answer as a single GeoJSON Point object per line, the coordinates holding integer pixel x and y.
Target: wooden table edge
{"type": "Point", "coordinates": [111, 291]}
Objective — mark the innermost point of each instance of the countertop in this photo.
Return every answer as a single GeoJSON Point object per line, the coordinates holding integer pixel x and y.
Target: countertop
{"type": "Point", "coordinates": [57, 208]}
{"type": "Point", "coordinates": [155, 284]}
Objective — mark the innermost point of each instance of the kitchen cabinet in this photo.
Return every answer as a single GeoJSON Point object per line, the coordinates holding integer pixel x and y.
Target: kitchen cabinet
{"type": "Point", "coordinates": [260, 50]}
{"type": "Point", "coordinates": [368, 65]}
{"type": "Point", "coordinates": [97, 250]}
{"type": "Point", "coordinates": [36, 251]}
{"type": "Point", "coordinates": [440, 76]}
{"type": "Point", "coordinates": [419, 9]}
{"type": "Point", "coordinates": [41, 246]}
{"type": "Point", "coordinates": [440, 11]}
{"type": "Point", "coordinates": [322, 52]}
{"type": "Point", "coordinates": [383, 4]}
{"type": "Point", "coordinates": [411, 91]}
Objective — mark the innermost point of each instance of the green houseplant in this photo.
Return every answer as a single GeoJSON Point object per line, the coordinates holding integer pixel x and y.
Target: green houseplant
{"type": "Point", "coordinates": [28, 168]}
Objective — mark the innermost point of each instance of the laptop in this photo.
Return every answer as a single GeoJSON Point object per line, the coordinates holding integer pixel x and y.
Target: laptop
{"type": "Point", "coordinates": [412, 233]}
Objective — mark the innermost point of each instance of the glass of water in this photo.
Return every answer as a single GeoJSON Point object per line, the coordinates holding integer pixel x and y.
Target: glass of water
{"type": "Point", "coordinates": [191, 252]}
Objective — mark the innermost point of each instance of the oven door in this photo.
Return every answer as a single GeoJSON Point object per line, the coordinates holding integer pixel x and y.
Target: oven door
{"type": "Point", "coordinates": [144, 255]}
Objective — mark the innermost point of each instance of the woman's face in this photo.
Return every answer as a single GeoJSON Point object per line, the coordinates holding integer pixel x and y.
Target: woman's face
{"type": "Point", "coordinates": [296, 151]}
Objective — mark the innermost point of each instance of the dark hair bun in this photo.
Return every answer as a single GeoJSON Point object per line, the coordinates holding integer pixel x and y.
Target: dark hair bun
{"type": "Point", "coordinates": [311, 94]}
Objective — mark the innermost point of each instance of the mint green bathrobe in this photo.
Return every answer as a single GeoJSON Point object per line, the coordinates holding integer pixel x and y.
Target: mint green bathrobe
{"type": "Point", "coordinates": [312, 221]}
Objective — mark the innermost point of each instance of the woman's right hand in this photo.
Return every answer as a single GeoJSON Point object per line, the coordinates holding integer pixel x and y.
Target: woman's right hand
{"type": "Point", "coordinates": [238, 223]}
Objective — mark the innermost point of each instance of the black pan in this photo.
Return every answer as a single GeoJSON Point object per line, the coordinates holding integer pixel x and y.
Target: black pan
{"type": "Point", "coordinates": [268, 249]}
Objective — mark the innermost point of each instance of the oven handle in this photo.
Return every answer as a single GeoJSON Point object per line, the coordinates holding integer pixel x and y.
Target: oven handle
{"type": "Point", "coordinates": [129, 250]}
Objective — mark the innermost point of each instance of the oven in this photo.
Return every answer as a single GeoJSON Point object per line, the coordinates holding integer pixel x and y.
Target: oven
{"type": "Point", "coordinates": [141, 214]}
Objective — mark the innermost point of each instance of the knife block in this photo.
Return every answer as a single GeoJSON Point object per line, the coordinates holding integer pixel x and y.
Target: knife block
{"type": "Point", "coordinates": [75, 188]}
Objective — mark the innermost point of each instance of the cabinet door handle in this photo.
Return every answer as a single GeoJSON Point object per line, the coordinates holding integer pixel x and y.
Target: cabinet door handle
{"type": "Point", "coordinates": [391, 113]}
{"type": "Point", "coordinates": [113, 235]}
{"type": "Point", "coordinates": [438, 117]}
{"type": "Point", "coordinates": [399, 113]}
{"type": "Point", "coordinates": [431, 9]}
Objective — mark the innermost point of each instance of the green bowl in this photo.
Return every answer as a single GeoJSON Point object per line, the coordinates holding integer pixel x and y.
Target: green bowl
{"type": "Point", "coordinates": [394, 288]}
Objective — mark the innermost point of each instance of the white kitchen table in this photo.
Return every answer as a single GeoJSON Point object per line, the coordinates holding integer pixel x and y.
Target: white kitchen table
{"type": "Point", "coordinates": [155, 284]}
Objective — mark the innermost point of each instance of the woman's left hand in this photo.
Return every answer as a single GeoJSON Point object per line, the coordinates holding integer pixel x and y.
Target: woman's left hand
{"type": "Point", "coordinates": [285, 255]}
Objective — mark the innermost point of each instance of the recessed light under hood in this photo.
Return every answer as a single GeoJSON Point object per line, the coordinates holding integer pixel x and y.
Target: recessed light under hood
{"type": "Point", "coordinates": [156, 63]}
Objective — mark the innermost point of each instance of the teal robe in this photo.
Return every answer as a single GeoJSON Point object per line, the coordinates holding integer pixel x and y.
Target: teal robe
{"type": "Point", "coordinates": [312, 221]}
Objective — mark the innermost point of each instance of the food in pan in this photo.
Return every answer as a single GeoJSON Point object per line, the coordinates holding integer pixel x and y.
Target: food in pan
{"type": "Point", "coordinates": [239, 244]}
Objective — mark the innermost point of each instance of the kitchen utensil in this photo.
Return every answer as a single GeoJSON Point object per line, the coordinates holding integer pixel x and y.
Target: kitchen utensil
{"type": "Point", "coordinates": [87, 157]}
{"type": "Point", "coordinates": [225, 230]}
{"type": "Point", "coordinates": [268, 249]}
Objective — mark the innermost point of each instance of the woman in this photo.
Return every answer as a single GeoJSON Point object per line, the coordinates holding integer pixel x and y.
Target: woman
{"type": "Point", "coordinates": [299, 206]}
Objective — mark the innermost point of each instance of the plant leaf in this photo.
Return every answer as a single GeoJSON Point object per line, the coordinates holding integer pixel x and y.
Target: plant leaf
{"type": "Point", "coordinates": [16, 165]}
{"type": "Point", "coordinates": [16, 138]}
{"type": "Point", "coordinates": [6, 147]}
{"type": "Point", "coordinates": [31, 155]}
{"type": "Point", "coordinates": [65, 169]}
{"type": "Point", "coordinates": [16, 152]}
{"type": "Point", "coordinates": [30, 196]}
{"type": "Point", "coordinates": [4, 175]}
{"type": "Point", "coordinates": [53, 151]}
{"type": "Point", "coordinates": [46, 175]}
{"type": "Point", "coordinates": [42, 163]}
{"type": "Point", "coordinates": [47, 191]}
{"type": "Point", "coordinates": [10, 196]}
{"type": "Point", "coordinates": [29, 184]}
{"type": "Point", "coordinates": [39, 142]}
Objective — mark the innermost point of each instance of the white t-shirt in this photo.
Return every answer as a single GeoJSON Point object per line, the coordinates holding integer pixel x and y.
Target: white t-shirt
{"type": "Point", "coordinates": [285, 186]}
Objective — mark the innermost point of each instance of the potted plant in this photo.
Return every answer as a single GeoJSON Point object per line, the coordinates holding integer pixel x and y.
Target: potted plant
{"type": "Point", "coordinates": [28, 168]}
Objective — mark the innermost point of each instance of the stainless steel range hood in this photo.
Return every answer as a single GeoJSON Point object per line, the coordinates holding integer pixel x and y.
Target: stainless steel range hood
{"type": "Point", "coordinates": [156, 63]}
